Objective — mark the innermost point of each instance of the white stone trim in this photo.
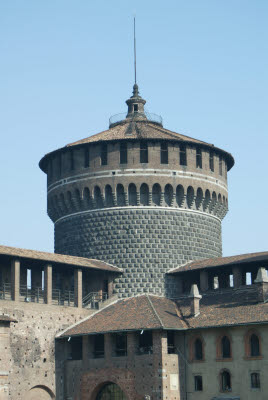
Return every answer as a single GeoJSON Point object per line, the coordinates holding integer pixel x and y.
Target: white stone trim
{"type": "Point", "coordinates": [138, 208]}
{"type": "Point", "coordinates": [137, 172]}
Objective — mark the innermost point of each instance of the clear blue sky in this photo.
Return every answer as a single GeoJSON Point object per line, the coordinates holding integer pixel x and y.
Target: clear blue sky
{"type": "Point", "coordinates": [66, 66]}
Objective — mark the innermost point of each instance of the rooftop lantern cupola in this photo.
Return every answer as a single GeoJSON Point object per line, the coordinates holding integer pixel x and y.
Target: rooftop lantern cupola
{"type": "Point", "coordinates": [136, 105]}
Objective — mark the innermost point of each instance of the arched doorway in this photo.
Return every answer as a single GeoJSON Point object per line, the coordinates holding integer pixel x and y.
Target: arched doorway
{"type": "Point", "coordinates": [111, 391]}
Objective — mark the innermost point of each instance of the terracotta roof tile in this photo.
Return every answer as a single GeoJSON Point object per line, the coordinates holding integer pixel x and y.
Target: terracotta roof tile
{"type": "Point", "coordinates": [57, 258]}
{"type": "Point", "coordinates": [221, 261]}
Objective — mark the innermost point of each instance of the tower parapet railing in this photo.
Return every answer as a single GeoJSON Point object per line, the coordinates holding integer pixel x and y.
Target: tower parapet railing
{"type": "Point", "coordinates": [145, 116]}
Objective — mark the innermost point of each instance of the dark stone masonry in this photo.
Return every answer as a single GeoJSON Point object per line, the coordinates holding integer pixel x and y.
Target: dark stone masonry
{"type": "Point", "coordinates": [146, 243]}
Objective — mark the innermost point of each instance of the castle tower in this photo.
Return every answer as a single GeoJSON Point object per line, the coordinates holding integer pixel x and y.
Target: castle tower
{"type": "Point", "coordinates": [140, 197]}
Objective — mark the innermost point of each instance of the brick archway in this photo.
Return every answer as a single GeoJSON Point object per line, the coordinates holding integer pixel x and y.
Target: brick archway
{"type": "Point", "coordinates": [92, 382]}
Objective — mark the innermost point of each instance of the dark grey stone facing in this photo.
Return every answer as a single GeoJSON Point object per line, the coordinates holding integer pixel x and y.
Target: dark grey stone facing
{"type": "Point", "coordinates": [146, 243]}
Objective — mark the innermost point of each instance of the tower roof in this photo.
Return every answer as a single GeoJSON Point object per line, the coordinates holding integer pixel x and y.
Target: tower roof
{"type": "Point", "coordinates": [131, 129]}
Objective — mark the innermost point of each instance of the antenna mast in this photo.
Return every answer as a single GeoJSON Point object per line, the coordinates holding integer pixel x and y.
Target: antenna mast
{"type": "Point", "coordinates": [135, 50]}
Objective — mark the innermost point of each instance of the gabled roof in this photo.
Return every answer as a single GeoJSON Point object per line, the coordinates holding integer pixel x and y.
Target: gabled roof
{"type": "Point", "coordinates": [221, 261]}
{"type": "Point", "coordinates": [57, 258]}
{"type": "Point", "coordinates": [135, 313]}
{"type": "Point", "coordinates": [133, 130]}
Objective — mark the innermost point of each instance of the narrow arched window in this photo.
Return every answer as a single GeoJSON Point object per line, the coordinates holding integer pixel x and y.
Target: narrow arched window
{"type": "Point", "coordinates": [254, 345]}
{"type": "Point", "coordinates": [225, 347]}
{"type": "Point", "coordinates": [255, 380]}
{"type": "Point", "coordinates": [179, 195]}
{"type": "Point", "coordinates": [132, 195]}
{"type": "Point", "coordinates": [98, 197]}
{"type": "Point", "coordinates": [144, 194]}
{"type": "Point", "coordinates": [226, 381]}
{"type": "Point", "coordinates": [198, 349]}
{"type": "Point", "coordinates": [109, 196]}
{"type": "Point", "coordinates": [120, 195]}
{"type": "Point", "coordinates": [168, 194]}
{"type": "Point", "coordinates": [156, 194]}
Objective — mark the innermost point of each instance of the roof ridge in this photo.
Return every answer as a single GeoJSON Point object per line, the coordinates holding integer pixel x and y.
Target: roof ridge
{"type": "Point", "coordinates": [154, 310]}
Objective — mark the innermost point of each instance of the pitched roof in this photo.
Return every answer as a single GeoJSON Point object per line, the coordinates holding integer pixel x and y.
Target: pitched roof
{"type": "Point", "coordinates": [229, 307]}
{"type": "Point", "coordinates": [135, 313]}
{"type": "Point", "coordinates": [57, 258]}
{"type": "Point", "coordinates": [221, 261]}
{"type": "Point", "coordinates": [139, 130]}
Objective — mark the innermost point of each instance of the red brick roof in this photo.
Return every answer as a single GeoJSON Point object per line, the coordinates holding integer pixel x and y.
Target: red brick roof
{"type": "Point", "coordinates": [57, 258]}
{"type": "Point", "coordinates": [228, 307]}
{"type": "Point", "coordinates": [130, 130]}
{"type": "Point", "coordinates": [221, 262]}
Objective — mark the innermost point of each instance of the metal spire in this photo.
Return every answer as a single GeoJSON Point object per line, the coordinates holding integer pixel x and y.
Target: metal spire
{"type": "Point", "coordinates": [135, 50]}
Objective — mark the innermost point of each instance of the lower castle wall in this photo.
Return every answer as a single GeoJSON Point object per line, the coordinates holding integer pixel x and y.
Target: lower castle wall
{"type": "Point", "coordinates": [30, 348]}
{"type": "Point", "coordinates": [145, 242]}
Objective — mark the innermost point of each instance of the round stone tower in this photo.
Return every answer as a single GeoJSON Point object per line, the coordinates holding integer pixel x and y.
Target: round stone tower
{"type": "Point", "coordinates": [139, 196]}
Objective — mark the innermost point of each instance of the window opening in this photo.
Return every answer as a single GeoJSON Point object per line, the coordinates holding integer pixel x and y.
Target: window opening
{"type": "Point", "coordinates": [198, 383]}
{"type": "Point", "coordinates": [29, 278]}
{"type": "Point", "coordinates": [109, 196]}
{"type": "Point", "coordinates": [120, 344]}
{"type": "Point", "coordinates": [254, 346]}
{"type": "Point", "coordinates": [164, 153]}
{"type": "Point", "coordinates": [225, 381]}
{"type": "Point", "coordinates": [198, 349]}
{"type": "Point", "coordinates": [99, 346]}
{"type": "Point", "coordinates": [183, 155]}
{"type": "Point", "coordinates": [198, 158]}
{"type": "Point", "coordinates": [104, 156]}
{"type": "Point", "coordinates": [168, 194]}
{"type": "Point", "coordinates": [248, 278]}
{"type": "Point", "coordinates": [211, 161]}
{"type": "Point", "coordinates": [135, 107]}
{"type": "Point", "coordinates": [215, 282]}
{"type": "Point", "coordinates": [123, 153]}
{"type": "Point", "coordinates": [255, 380]}
{"type": "Point", "coordinates": [76, 348]}
{"type": "Point", "coordinates": [145, 342]}
{"type": "Point", "coordinates": [170, 342]}
{"type": "Point", "coordinates": [225, 347]}
{"type": "Point", "coordinates": [143, 152]}
{"type": "Point", "coordinates": [220, 165]}
{"type": "Point", "coordinates": [86, 164]}
{"type": "Point", "coordinates": [231, 280]}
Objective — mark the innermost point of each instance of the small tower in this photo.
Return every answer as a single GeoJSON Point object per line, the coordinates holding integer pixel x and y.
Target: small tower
{"type": "Point", "coordinates": [136, 105]}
